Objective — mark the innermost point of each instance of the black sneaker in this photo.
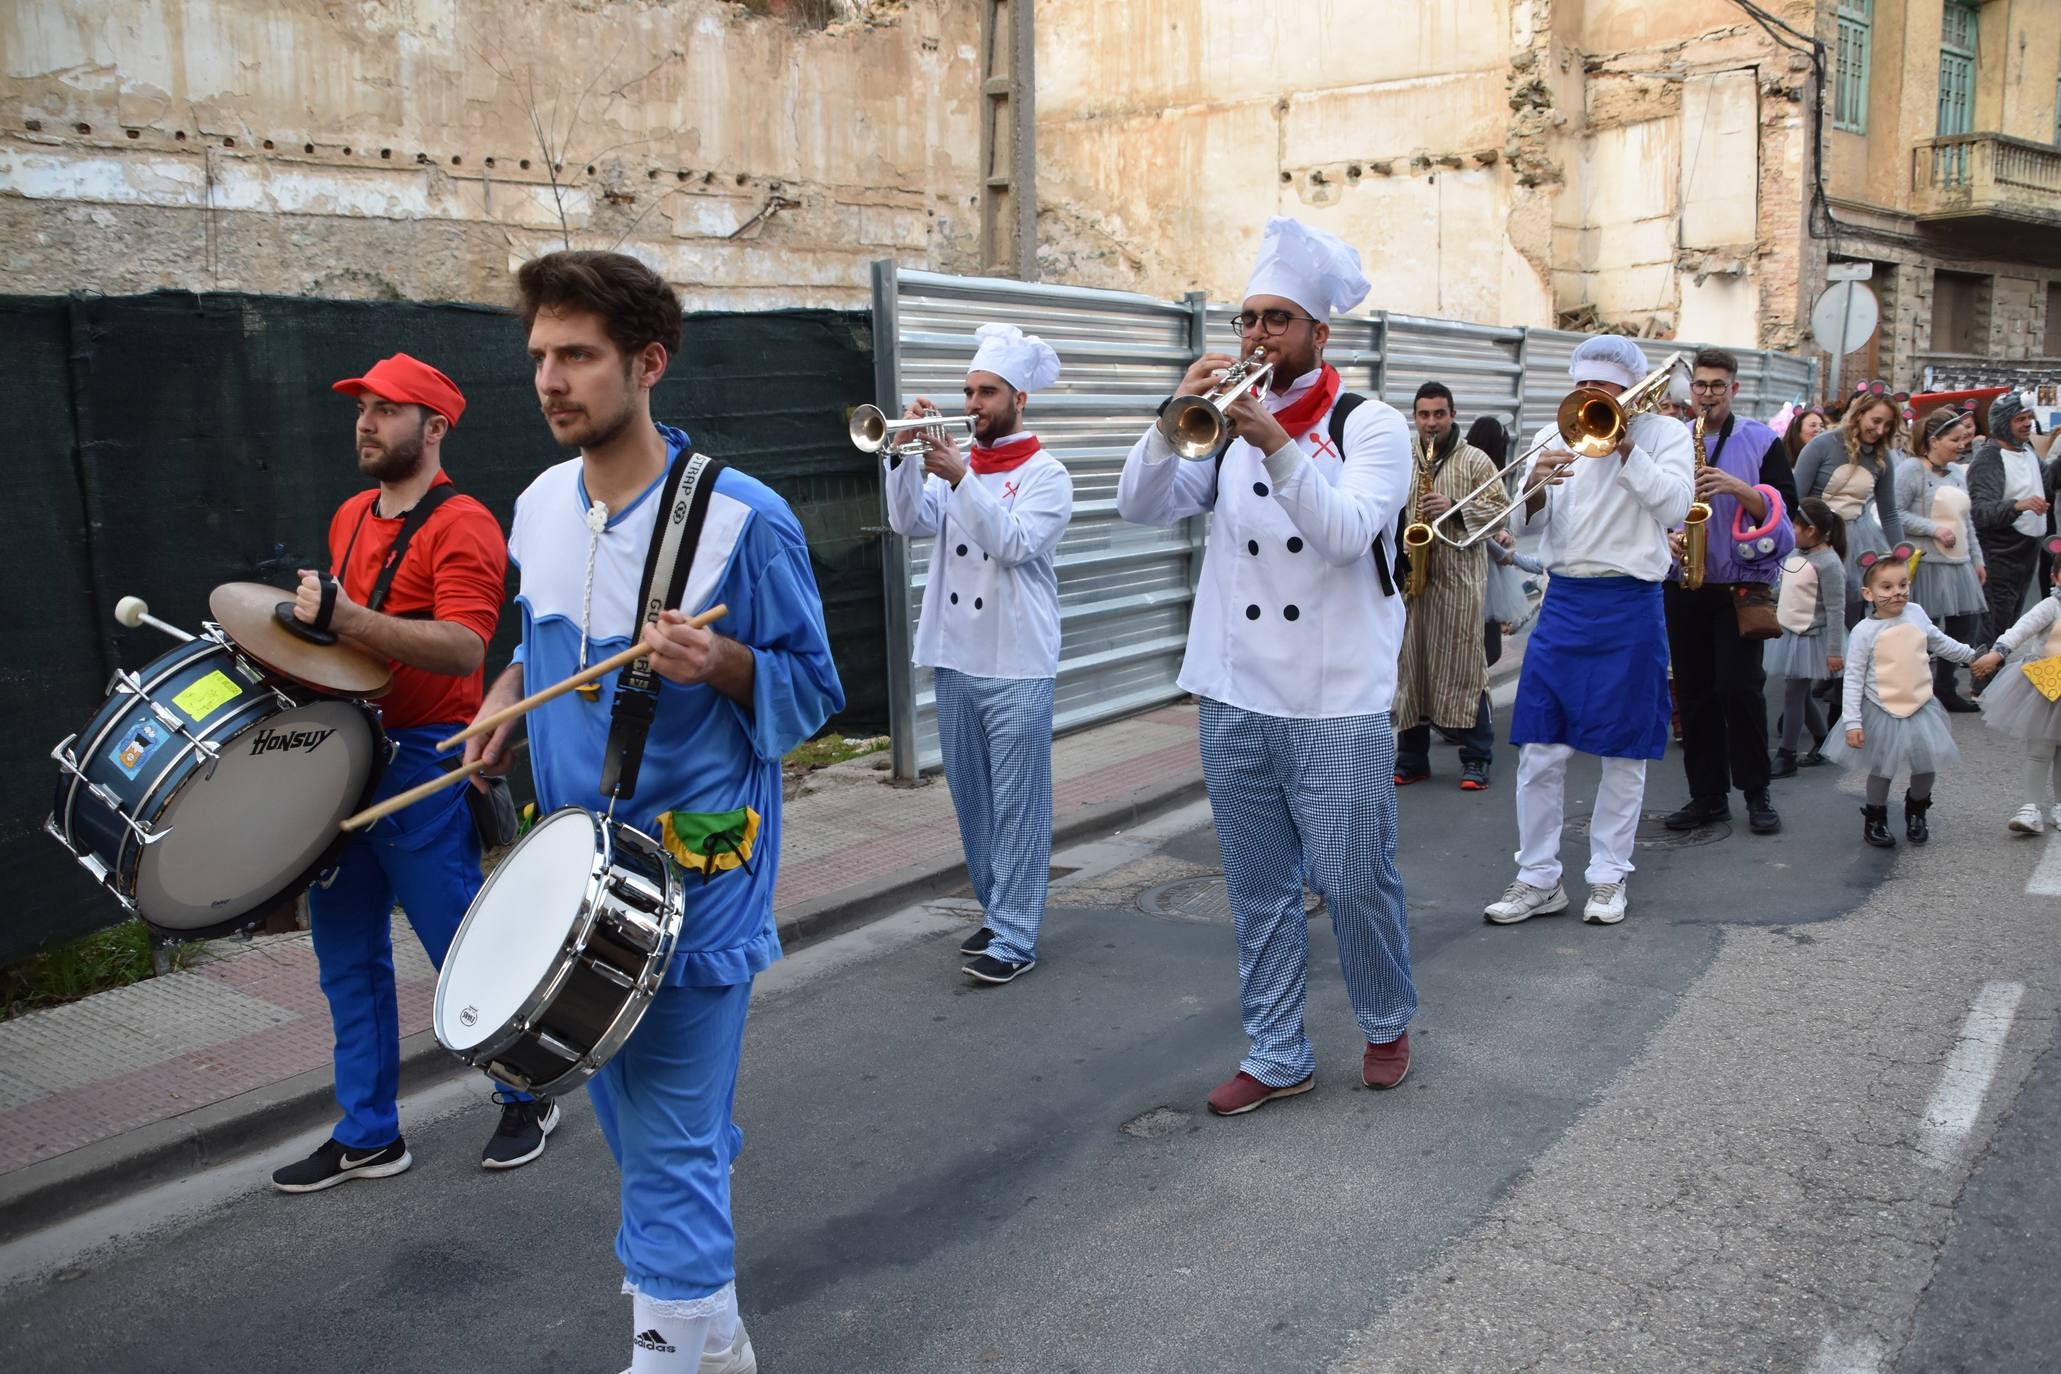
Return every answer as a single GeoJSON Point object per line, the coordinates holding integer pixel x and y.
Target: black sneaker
{"type": "Point", "coordinates": [1699, 811]}
{"type": "Point", "coordinates": [335, 1162]}
{"type": "Point", "coordinates": [977, 943]}
{"type": "Point", "coordinates": [988, 969]}
{"type": "Point", "coordinates": [520, 1136]}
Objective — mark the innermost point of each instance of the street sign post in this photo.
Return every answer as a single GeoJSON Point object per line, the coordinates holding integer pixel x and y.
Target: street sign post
{"type": "Point", "coordinates": [1845, 316]}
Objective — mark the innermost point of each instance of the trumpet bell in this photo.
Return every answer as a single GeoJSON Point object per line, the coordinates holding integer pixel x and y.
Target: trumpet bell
{"type": "Point", "coordinates": [1194, 426]}
{"type": "Point", "coordinates": [868, 428]}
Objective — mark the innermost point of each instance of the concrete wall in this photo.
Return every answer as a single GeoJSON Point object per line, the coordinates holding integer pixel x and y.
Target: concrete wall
{"type": "Point", "coordinates": [1506, 161]}
{"type": "Point", "coordinates": [758, 154]}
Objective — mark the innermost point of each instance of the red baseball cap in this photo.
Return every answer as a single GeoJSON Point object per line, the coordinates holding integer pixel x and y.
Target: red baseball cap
{"type": "Point", "coordinates": [408, 381]}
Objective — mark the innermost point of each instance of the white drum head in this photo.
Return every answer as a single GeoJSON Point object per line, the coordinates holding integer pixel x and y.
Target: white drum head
{"type": "Point", "coordinates": [242, 836]}
{"type": "Point", "coordinates": [518, 924]}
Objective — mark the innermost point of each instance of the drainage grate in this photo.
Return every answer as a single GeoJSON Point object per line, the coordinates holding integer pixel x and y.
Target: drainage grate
{"type": "Point", "coordinates": [1202, 899]}
{"type": "Point", "coordinates": [1653, 834]}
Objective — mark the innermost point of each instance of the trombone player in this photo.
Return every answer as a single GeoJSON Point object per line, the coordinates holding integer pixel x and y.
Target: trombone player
{"type": "Point", "coordinates": [989, 631]}
{"type": "Point", "coordinates": [1595, 672]}
{"type": "Point", "coordinates": [1444, 666]}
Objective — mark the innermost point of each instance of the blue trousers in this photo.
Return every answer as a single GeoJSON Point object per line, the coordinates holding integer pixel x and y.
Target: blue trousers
{"type": "Point", "coordinates": [996, 734]}
{"type": "Point", "coordinates": [1308, 802]}
{"type": "Point", "coordinates": [426, 856]}
{"type": "Point", "coordinates": [664, 1107]}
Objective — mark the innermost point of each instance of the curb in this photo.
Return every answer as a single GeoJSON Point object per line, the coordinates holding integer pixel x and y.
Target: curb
{"type": "Point", "coordinates": [67, 1185]}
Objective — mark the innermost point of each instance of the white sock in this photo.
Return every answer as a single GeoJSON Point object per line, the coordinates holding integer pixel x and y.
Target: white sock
{"type": "Point", "coordinates": [664, 1339]}
{"type": "Point", "coordinates": [723, 1323]}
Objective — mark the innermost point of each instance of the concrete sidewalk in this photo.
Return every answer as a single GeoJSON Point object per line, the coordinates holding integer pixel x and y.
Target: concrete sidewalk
{"type": "Point", "coordinates": [146, 1082]}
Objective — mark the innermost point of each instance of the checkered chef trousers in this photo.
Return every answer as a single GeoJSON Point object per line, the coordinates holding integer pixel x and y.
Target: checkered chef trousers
{"type": "Point", "coordinates": [996, 734]}
{"type": "Point", "coordinates": [1308, 802]}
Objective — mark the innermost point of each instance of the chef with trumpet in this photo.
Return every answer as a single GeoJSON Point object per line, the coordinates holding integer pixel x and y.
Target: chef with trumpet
{"type": "Point", "coordinates": [1292, 650]}
{"type": "Point", "coordinates": [989, 630]}
{"type": "Point", "coordinates": [1595, 670]}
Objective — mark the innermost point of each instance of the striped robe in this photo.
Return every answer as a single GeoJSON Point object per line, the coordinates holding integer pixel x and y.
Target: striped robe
{"type": "Point", "coordinates": [1443, 666]}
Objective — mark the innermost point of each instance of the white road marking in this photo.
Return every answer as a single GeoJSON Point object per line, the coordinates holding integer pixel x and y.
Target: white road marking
{"type": "Point", "coordinates": [1964, 1081]}
{"type": "Point", "coordinates": [1847, 1355]}
{"type": "Point", "coordinates": [2046, 879]}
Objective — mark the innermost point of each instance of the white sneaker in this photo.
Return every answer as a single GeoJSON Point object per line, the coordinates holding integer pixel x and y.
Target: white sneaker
{"type": "Point", "coordinates": [2056, 819]}
{"type": "Point", "coordinates": [738, 1359]}
{"type": "Point", "coordinates": [2026, 820]}
{"type": "Point", "coordinates": [1606, 903]}
{"type": "Point", "coordinates": [1521, 901]}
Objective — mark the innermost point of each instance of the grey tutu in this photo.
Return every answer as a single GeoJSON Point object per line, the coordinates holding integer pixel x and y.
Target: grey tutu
{"type": "Point", "coordinates": [1945, 589]}
{"type": "Point", "coordinates": [1795, 655]}
{"type": "Point", "coordinates": [1923, 743]}
{"type": "Point", "coordinates": [2011, 705]}
{"type": "Point", "coordinates": [1506, 602]}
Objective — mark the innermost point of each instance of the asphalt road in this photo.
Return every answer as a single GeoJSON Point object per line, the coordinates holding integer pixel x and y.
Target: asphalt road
{"type": "Point", "coordinates": [1698, 1140]}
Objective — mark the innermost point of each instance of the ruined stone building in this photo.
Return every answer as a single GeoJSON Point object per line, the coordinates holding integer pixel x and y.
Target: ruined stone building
{"type": "Point", "coordinates": [1680, 169]}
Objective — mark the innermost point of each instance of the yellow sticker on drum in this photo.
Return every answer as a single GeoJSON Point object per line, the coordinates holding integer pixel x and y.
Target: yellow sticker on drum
{"type": "Point", "coordinates": [207, 696]}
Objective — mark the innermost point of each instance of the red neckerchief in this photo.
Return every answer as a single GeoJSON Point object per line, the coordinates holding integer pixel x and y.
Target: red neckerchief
{"type": "Point", "coordinates": [1299, 417]}
{"type": "Point", "coordinates": [1010, 455]}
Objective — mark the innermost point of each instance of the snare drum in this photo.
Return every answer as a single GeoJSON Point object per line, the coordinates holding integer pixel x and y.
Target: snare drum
{"type": "Point", "coordinates": [206, 788]}
{"type": "Point", "coordinates": [561, 953]}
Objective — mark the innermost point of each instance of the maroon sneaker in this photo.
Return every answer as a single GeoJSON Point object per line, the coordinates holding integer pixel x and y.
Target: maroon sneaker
{"type": "Point", "coordinates": [1243, 1092]}
{"type": "Point", "coordinates": [1383, 1066]}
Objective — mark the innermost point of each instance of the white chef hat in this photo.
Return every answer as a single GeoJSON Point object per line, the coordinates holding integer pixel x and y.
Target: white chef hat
{"type": "Point", "coordinates": [1609, 358]}
{"type": "Point", "coordinates": [1316, 270]}
{"type": "Point", "coordinates": [1025, 361]}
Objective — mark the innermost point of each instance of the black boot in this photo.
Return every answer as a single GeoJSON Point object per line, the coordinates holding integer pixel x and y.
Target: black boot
{"type": "Point", "coordinates": [1915, 829]}
{"type": "Point", "coordinates": [1875, 827]}
{"type": "Point", "coordinates": [1761, 816]}
{"type": "Point", "coordinates": [1700, 811]}
{"type": "Point", "coordinates": [1949, 694]}
{"type": "Point", "coordinates": [1785, 764]}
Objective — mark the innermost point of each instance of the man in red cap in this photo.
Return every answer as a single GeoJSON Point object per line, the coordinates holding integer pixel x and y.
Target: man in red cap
{"type": "Point", "coordinates": [416, 576]}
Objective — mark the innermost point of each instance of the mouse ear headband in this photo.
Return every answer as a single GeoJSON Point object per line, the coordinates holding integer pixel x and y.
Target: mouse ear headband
{"type": "Point", "coordinates": [1901, 553]}
{"type": "Point", "coordinates": [2053, 546]}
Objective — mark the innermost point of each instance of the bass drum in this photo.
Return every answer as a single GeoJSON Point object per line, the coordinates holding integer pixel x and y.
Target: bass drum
{"type": "Point", "coordinates": [207, 788]}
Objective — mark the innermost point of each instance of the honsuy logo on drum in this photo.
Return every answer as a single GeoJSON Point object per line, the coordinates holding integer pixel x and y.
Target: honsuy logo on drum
{"type": "Point", "coordinates": [270, 741]}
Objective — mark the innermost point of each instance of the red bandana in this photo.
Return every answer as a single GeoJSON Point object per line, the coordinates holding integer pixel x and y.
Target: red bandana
{"type": "Point", "coordinates": [1011, 455]}
{"type": "Point", "coordinates": [1299, 417]}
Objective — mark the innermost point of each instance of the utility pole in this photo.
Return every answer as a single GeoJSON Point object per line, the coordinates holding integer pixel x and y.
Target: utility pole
{"type": "Point", "coordinates": [1008, 141]}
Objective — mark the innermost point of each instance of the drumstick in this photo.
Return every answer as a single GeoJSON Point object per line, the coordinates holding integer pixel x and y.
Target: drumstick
{"type": "Point", "coordinates": [593, 673]}
{"type": "Point", "coordinates": [400, 800]}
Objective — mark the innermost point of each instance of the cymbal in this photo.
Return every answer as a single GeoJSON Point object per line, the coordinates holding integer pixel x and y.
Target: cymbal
{"type": "Point", "coordinates": [244, 610]}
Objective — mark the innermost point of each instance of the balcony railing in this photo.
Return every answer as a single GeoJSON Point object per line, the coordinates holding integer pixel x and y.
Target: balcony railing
{"type": "Point", "coordinates": [1985, 176]}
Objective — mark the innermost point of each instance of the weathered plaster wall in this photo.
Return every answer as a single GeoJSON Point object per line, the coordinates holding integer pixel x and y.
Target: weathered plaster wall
{"type": "Point", "coordinates": [1507, 161]}
{"type": "Point", "coordinates": [756, 154]}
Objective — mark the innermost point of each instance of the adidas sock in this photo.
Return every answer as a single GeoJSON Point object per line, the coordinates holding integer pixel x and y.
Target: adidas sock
{"type": "Point", "coordinates": [662, 1344]}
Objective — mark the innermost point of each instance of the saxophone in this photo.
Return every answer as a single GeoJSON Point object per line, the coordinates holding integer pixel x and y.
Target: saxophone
{"type": "Point", "coordinates": [1417, 534]}
{"type": "Point", "coordinates": [1695, 525]}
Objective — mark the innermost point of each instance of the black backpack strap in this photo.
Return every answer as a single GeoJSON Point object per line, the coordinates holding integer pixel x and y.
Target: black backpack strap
{"type": "Point", "coordinates": [675, 534]}
{"type": "Point", "coordinates": [411, 523]}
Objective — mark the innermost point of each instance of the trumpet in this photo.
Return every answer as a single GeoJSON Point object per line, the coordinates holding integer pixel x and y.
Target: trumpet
{"type": "Point", "coordinates": [1195, 425]}
{"type": "Point", "coordinates": [1591, 423]}
{"type": "Point", "coordinates": [872, 431]}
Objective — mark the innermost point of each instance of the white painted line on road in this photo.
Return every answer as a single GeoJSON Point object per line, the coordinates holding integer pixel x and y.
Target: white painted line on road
{"type": "Point", "coordinates": [2046, 879]}
{"type": "Point", "coordinates": [1964, 1081]}
{"type": "Point", "coordinates": [1847, 1355]}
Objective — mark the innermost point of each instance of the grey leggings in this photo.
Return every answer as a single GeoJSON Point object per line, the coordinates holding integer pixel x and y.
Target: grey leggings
{"type": "Point", "coordinates": [1920, 789]}
{"type": "Point", "coordinates": [1800, 708]}
{"type": "Point", "coordinates": [2041, 763]}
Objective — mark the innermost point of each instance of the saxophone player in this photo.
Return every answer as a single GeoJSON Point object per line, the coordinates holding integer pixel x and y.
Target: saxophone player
{"type": "Point", "coordinates": [1746, 482]}
{"type": "Point", "coordinates": [1442, 674]}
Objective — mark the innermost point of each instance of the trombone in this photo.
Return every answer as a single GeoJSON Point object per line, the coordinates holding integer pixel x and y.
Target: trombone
{"type": "Point", "coordinates": [871, 431]}
{"type": "Point", "coordinates": [1196, 425]}
{"type": "Point", "coordinates": [1591, 423]}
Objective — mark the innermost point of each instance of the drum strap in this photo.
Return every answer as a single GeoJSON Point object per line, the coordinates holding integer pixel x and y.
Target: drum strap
{"type": "Point", "coordinates": [417, 516]}
{"type": "Point", "coordinates": [683, 509]}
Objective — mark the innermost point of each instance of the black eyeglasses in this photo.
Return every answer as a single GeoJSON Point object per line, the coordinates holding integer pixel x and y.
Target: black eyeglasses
{"type": "Point", "coordinates": [1274, 321]}
{"type": "Point", "coordinates": [1710, 388]}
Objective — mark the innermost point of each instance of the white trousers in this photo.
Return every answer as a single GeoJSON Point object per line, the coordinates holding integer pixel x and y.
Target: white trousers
{"type": "Point", "coordinates": [1541, 808]}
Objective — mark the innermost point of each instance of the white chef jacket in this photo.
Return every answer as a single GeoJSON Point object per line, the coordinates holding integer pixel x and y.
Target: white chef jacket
{"type": "Point", "coordinates": [1610, 519]}
{"type": "Point", "coordinates": [1289, 619]}
{"type": "Point", "coordinates": [991, 605]}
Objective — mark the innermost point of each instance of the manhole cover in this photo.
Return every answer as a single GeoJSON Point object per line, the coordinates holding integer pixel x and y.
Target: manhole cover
{"type": "Point", "coordinates": [1203, 899]}
{"type": "Point", "coordinates": [1654, 834]}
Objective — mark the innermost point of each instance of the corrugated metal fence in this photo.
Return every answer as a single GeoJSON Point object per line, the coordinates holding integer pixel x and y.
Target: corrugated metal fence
{"type": "Point", "coordinates": [1124, 590]}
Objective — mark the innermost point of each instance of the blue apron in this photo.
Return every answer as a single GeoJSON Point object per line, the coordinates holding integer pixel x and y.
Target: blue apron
{"type": "Point", "coordinates": [1595, 671]}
